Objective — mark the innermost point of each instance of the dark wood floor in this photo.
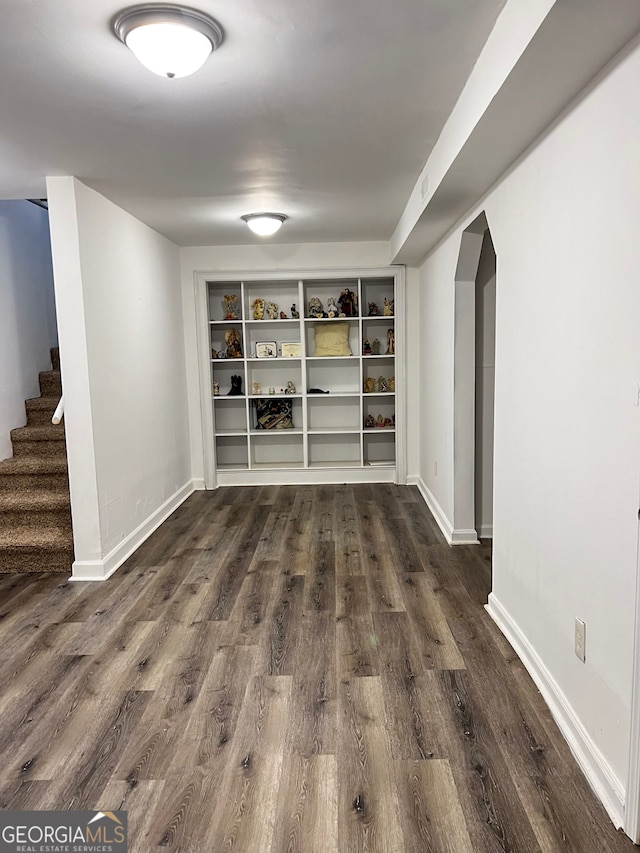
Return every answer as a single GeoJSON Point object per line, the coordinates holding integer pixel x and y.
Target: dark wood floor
{"type": "Point", "coordinates": [288, 669]}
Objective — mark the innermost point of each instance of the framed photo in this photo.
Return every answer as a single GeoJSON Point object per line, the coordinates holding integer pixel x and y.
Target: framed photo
{"type": "Point", "coordinates": [291, 350]}
{"type": "Point", "coordinates": [266, 349]}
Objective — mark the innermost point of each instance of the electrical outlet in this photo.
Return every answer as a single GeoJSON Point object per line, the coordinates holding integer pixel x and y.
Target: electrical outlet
{"type": "Point", "coordinates": [581, 630]}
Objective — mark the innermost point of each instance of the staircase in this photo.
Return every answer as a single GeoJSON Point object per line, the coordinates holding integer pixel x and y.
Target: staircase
{"type": "Point", "coordinates": [35, 512]}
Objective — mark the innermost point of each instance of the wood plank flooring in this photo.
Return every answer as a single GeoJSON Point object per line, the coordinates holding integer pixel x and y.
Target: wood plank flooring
{"type": "Point", "coordinates": [288, 669]}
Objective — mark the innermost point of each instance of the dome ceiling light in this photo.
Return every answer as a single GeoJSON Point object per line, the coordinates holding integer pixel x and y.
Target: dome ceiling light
{"type": "Point", "coordinates": [264, 224]}
{"type": "Point", "coordinates": [170, 40]}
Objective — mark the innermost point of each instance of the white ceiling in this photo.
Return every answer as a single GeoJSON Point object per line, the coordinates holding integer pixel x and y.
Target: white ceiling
{"type": "Point", "coordinates": [325, 110]}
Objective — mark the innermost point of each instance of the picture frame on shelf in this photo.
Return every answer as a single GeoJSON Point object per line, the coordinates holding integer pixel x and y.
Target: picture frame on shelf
{"type": "Point", "coordinates": [291, 349]}
{"type": "Point", "coordinates": [266, 349]}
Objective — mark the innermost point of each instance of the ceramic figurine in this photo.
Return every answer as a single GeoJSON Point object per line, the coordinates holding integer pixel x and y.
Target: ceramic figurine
{"type": "Point", "coordinates": [230, 303]}
{"type": "Point", "coordinates": [258, 309]}
{"type": "Point", "coordinates": [388, 307]}
{"type": "Point", "coordinates": [374, 311]}
{"type": "Point", "coordinates": [332, 308]}
{"type": "Point", "coordinates": [348, 303]}
{"type": "Point", "coordinates": [369, 385]}
{"type": "Point", "coordinates": [214, 353]}
{"type": "Point", "coordinates": [375, 346]}
{"type": "Point", "coordinates": [232, 340]}
{"type": "Point", "coordinates": [257, 388]}
{"type": "Point", "coordinates": [387, 422]}
{"type": "Point", "coordinates": [295, 314]}
{"type": "Point", "coordinates": [391, 342]}
{"type": "Point", "coordinates": [379, 421]}
{"type": "Point", "coordinates": [272, 310]}
{"type": "Point", "coordinates": [366, 347]}
{"type": "Point", "coordinates": [236, 387]}
{"type": "Point", "coordinates": [291, 388]}
{"type": "Point", "coordinates": [382, 385]}
{"type": "Point", "coordinates": [392, 383]}
{"type": "Point", "coordinates": [315, 307]}
{"type": "Point", "coordinates": [216, 389]}
{"type": "Point", "coordinates": [283, 316]}
{"type": "Point", "coordinates": [370, 422]}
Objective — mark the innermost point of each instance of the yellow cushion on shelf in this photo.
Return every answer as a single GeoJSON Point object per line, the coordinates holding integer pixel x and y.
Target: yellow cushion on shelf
{"type": "Point", "coordinates": [332, 339]}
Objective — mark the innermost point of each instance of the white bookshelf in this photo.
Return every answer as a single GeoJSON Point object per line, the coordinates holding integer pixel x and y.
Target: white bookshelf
{"type": "Point", "coordinates": [332, 438]}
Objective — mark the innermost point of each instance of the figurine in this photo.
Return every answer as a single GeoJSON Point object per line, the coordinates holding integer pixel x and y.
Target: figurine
{"type": "Point", "coordinates": [332, 308]}
{"type": "Point", "coordinates": [392, 383]}
{"type": "Point", "coordinates": [387, 422]}
{"type": "Point", "coordinates": [391, 342]}
{"type": "Point", "coordinates": [388, 307]}
{"type": "Point", "coordinates": [379, 421]}
{"type": "Point", "coordinates": [370, 422]}
{"type": "Point", "coordinates": [230, 302]}
{"type": "Point", "coordinates": [214, 353]}
{"type": "Point", "coordinates": [376, 347]}
{"type": "Point", "coordinates": [257, 388]}
{"type": "Point", "coordinates": [295, 314]}
{"type": "Point", "coordinates": [236, 386]}
{"type": "Point", "coordinates": [216, 389]}
{"type": "Point", "coordinates": [348, 303]}
{"type": "Point", "coordinates": [234, 347]}
{"type": "Point", "coordinates": [383, 387]}
{"type": "Point", "coordinates": [291, 388]}
{"type": "Point", "coordinates": [283, 316]}
{"type": "Point", "coordinates": [272, 310]}
{"type": "Point", "coordinates": [369, 385]}
{"type": "Point", "coordinates": [315, 307]}
{"type": "Point", "coordinates": [374, 311]}
{"type": "Point", "coordinates": [366, 347]}
{"type": "Point", "coordinates": [258, 309]}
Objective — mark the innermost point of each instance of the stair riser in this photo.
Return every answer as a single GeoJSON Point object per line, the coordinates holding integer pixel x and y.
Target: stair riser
{"type": "Point", "coordinates": [39, 561]}
{"type": "Point", "coordinates": [22, 524]}
{"type": "Point", "coordinates": [41, 449]}
{"type": "Point", "coordinates": [50, 385]}
{"type": "Point", "coordinates": [25, 482]}
{"type": "Point", "coordinates": [39, 417]}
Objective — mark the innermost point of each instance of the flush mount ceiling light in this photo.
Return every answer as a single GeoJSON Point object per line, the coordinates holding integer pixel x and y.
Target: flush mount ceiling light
{"type": "Point", "coordinates": [264, 224]}
{"type": "Point", "coordinates": [172, 41]}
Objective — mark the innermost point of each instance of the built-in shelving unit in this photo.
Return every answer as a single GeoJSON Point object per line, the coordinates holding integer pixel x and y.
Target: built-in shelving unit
{"type": "Point", "coordinates": [342, 413]}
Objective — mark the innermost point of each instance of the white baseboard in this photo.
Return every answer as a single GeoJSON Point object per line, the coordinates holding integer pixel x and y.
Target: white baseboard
{"type": "Point", "coordinates": [453, 537]}
{"type": "Point", "coordinates": [199, 484]}
{"type": "Point", "coordinates": [486, 531]}
{"type": "Point", "coordinates": [100, 570]}
{"type": "Point", "coordinates": [606, 786]}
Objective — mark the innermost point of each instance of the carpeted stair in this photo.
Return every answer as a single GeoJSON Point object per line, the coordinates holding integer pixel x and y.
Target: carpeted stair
{"type": "Point", "coordinates": [35, 513]}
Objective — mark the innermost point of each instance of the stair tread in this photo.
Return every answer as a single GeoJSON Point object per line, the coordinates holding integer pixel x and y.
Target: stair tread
{"type": "Point", "coordinates": [33, 500]}
{"type": "Point", "coordinates": [39, 432]}
{"type": "Point", "coordinates": [42, 402]}
{"type": "Point", "coordinates": [33, 465]}
{"type": "Point", "coordinates": [46, 538]}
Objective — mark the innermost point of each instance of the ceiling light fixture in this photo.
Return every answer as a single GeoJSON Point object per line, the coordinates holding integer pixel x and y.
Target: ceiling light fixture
{"type": "Point", "coordinates": [264, 224]}
{"type": "Point", "coordinates": [172, 41]}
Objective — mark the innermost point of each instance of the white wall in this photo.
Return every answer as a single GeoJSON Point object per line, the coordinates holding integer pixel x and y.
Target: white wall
{"type": "Point", "coordinates": [567, 424]}
{"type": "Point", "coordinates": [270, 259]}
{"type": "Point", "coordinates": [122, 352]}
{"type": "Point", "coordinates": [27, 310]}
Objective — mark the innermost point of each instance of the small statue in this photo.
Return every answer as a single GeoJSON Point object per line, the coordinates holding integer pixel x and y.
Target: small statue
{"type": "Point", "coordinates": [283, 316]}
{"type": "Point", "coordinates": [388, 307]}
{"type": "Point", "coordinates": [374, 311]}
{"type": "Point", "coordinates": [216, 389]}
{"type": "Point", "coordinates": [348, 303]}
{"type": "Point", "coordinates": [236, 386]}
{"type": "Point", "coordinates": [257, 388]}
{"type": "Point", "coordinates": [369, 385]}
{"type": "Point", "coordinates": [369, 422]}
{"type": "Point", "coordinates": [230, 303]}
{"type": "Point", "coordinates": [295, 314]}
{"type": "Point", "coordinates": [392, 384]}
{"type": "Point", "coordinates": [258, 309]}
{"type": "Point", "coordinates": [291, 388]}
{"type": "Point", "coordinates": [234, 346]}
{"type": "Point", "coordinates": [391, 342]}
{"type": "Point", "coordinates": [214, 353]}
{"type": "Point", "coordinates": [375, 346]}
{"type": "Point", "coordinates": [315, 308]}
{"type": "Point", "coordinates": [383, 386]}
{"type": "Point", "coordinates": [387, 422]}
{"type": "Point", "coordinates": [272, 310]}
{"type": "Point", "coordinates": [366, 347]}
{"type": "Point", "coordinates": [332, 308]}
{"type": "Point", "coordinates": [379, 421]}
